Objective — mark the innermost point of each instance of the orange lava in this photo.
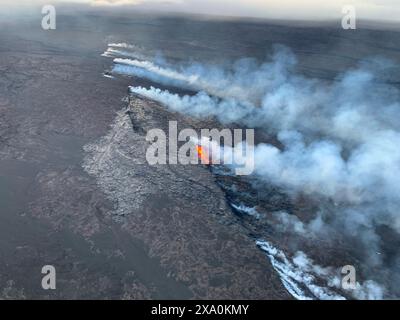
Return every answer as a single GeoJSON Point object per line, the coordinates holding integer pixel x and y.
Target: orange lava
{"type": "Point", "coordinates": [202, 154]}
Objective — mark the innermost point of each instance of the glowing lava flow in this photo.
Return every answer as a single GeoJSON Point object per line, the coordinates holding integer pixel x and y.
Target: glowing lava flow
{"type": "Point", "coordinates": [203, 154]}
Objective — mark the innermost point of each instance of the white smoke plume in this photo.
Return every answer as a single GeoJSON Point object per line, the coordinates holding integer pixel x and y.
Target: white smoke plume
{"type": "Point", "coordinates": [124, 50]}
{"type": "Point", "coordinates": [340, 139]}
{"type": "Point", "coordinates": [149, 70]}
{"type": "Point", "coordinates": [300, 277]}
{"type": "Point", "coordinates": [213, 79]}
{"type": "Point", "coordinates": [251, 211]}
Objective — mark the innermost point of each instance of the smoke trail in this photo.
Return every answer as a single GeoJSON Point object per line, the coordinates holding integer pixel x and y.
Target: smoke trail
{"type": "Point", "coordinates": [340, 140]}
{"type": "Point", "coordinates": [124, 46]}
{"type": "Point", "coordinates": [300, 276]}
{"type": "Point", "coordinates": [149, 70]}
{"type": "Point", "coordinates": [125, 50]}
{"type": "Point", "coordinates": [352, 109]}
{"type": "Point", "coordinates": [215, 80]}
{"type": "Point", "coordinates": [200, 105]}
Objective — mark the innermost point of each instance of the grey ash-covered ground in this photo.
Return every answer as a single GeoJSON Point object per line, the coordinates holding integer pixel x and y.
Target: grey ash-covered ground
{"type": "Point", "coordinates": [76, 193]}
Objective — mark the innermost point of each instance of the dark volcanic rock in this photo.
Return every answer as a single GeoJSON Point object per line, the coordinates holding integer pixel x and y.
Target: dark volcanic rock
{"type": "Point", "coordinates": [176, 210]}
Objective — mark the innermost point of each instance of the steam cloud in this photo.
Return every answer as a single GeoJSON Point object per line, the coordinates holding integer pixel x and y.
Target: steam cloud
{"type": "Point", "coordinates": [340, 140]}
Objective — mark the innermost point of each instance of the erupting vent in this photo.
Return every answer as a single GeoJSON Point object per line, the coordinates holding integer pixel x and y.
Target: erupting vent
{"type": "Point", "coordinates": [203, 154]}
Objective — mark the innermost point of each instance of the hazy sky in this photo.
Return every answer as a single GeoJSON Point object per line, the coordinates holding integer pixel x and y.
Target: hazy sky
{"type": "Point", "coordinates": [297, 9]}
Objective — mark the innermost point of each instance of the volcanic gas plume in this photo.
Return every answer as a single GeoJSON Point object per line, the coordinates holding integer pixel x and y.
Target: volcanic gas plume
{"type": "Point", "coordinates": [338, 140]}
